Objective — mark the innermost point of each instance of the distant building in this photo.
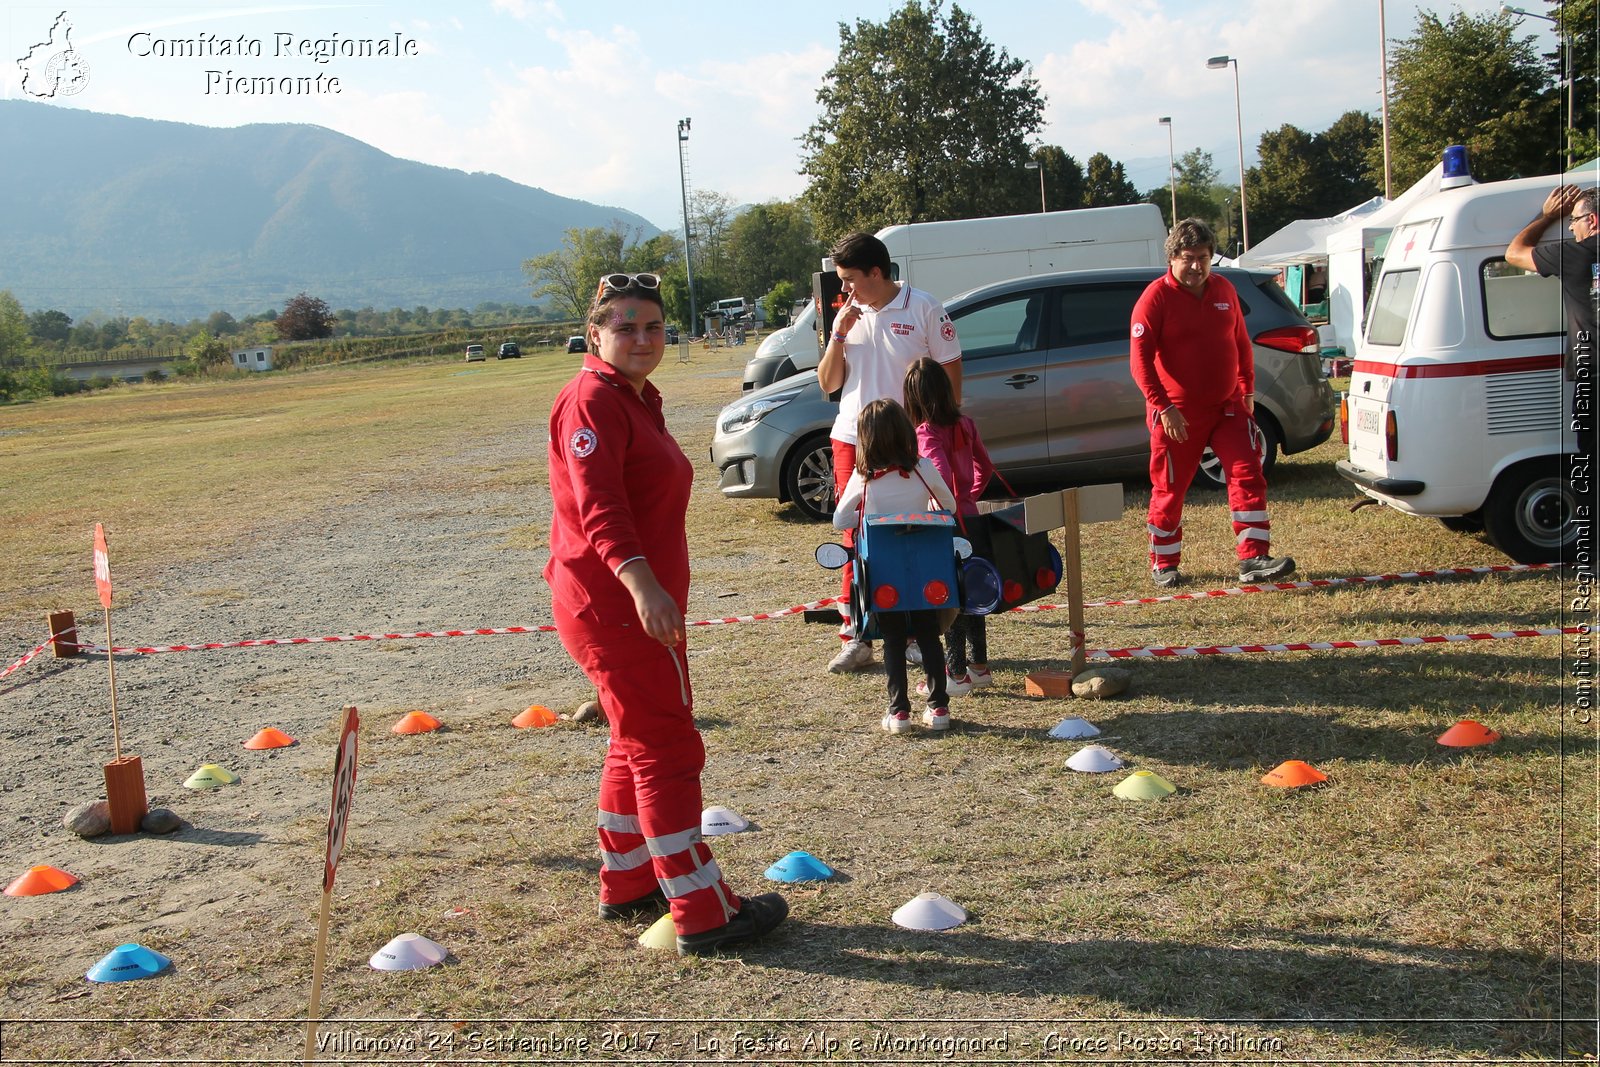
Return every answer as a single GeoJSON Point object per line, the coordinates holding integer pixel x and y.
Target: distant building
{"type": "Point", "coordinates": [257, 358]}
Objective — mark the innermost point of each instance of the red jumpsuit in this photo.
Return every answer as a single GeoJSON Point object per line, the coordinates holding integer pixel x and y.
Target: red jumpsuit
{"type": "Point", "coordinates": [1193, 352]}
{"type": "Point", "coordinates": [620, 487]}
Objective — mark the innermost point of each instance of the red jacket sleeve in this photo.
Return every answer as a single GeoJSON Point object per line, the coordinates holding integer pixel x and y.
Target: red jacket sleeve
{"type": "Point", "coordinates": [1143, 329]}
{"type": "Point", "coordinates": [1247, 352]}
{"type": "Point", "coordinates": [595, 474]}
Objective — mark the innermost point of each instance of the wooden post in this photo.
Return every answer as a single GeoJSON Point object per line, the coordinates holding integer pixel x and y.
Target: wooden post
{"type": "Point", "coordinates": [1072, 560]}
{"type": "Point", "coordinates": [63, 630]}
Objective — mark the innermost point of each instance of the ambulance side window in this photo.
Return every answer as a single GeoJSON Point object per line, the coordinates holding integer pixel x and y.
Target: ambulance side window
{"type": "Point", "coordinates": [1519, 303]}
{"type": "Point", "coordinates": [1391, 308]}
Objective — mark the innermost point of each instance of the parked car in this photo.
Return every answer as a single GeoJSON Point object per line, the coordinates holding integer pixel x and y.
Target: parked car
{"type": "Point", "coordinates": [509, 350]}
{"type": "Point", "coordinates": [475, 354]}
{"type": "Point", "coordinates": [672, 334]}
{"type": "Point", "coordinates": [577, 344]}
{"type": "Point", "coordinates": [1045, 374]}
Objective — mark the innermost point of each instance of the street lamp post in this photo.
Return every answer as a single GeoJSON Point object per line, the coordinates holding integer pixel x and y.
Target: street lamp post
{"type": "Point", "coordinates": [1566, 49]}
{"type": "Point", "coordinates": [1038, 165]}
{"type": "Point", "coordinates": [688, 266]}
{"type": "Point", "coordinates": [1172, 166]}
{"type": "Point", "coordinates": [1219, 63]}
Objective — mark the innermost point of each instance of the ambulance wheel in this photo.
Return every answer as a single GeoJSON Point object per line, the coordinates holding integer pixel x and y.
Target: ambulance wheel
{"type": "Point", "coordinates": [1211, 476]}
{"type": "Point", "coordinates": [808, 478]}
{"type": "Point", "coordinates": [1531, 512]}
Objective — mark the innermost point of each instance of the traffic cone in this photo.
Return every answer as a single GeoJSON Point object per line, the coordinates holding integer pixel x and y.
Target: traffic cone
{"type": "Point", "coordinates": [799, 866]}
{"type": "Point", "coordinates": [37, 881]}
{"type": "Point", "coordinates": [1094, 759]}
{"type": "Point", "coordinates": [536, 715]}
{"type": "Point", "coordinates": [128, 962]}
{"type": "Point", "coordinates": [662, 934]}
{"type": "Point", "coordinates": [1069, 729]}
{"type": "Point", "coordinates": [416, 722]}
{"type": "Point", "coordinates": [1144, 785]}
{"type": "Point", "coordinates": [271, 737]}
{"type": "Point", "coordinates": [1467, 733]}
{"type": "Point", "coordinates": [210, 776]}
{"type": "Point", "coordinates": [408, 952]}
{"type": "Point", "coordinates": [717, 820]}
{"type": "Point", "coordinates": [1292, 774]}
{"type": "Point", "coordinates": [929, 911]}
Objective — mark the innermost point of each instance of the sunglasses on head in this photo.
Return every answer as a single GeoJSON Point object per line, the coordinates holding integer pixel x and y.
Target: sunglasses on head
{"type": "Point", "coordinates": [620, 282]}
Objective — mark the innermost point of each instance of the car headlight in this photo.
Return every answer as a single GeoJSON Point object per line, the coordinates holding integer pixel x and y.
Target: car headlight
{"type": "Point", "coordinates": [741, 416]}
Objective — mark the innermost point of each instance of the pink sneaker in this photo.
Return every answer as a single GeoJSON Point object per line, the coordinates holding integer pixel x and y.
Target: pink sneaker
{"type": "Point", "coordinates": [981, 678]}
{"type": "Point", "coordinates": [936, 719]}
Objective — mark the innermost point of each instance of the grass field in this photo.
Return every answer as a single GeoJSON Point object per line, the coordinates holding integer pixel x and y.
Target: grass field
{"type": "Point", "coordinates": [1427, 904]}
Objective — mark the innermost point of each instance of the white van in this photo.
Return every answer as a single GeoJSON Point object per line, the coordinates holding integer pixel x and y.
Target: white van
{"type": "Point", "coordinates": [1458, 408]}
{"type": "Point", "coordinates": [947, 258]}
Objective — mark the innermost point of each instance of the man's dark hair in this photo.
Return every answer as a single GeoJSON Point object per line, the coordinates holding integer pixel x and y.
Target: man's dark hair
{"type": "Point", "coordinates": [862, 252]}
{"type": "Point", "coordinates": [1190, 234]}
{"type": "Point", "coordinates": [1585, 204]}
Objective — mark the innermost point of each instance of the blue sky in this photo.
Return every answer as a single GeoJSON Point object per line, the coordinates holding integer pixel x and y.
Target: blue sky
{"type": "Point", "coordinates": [583, 99]}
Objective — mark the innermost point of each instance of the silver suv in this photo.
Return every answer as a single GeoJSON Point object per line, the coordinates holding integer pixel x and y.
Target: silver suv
{"type": "Point", "coordinates": [1045, 375]}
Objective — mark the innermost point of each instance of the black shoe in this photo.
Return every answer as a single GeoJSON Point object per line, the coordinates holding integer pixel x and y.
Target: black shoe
{"type": "Point", "coordinates": [1165, 577]}
{"type": "Point", "coordinates": [651, 903]}
{"type": "Point", "coordinates": [1265, 568]}
{"type": "Point", "coordinates": [756, 917]}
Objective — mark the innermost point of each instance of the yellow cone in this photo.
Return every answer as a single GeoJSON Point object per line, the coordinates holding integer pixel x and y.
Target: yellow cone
{"type": "Point", "coordinates": [210, 776]}
{"type": "Point", "coordinates": [662, 934]}
{"type": "Point", "coordinates": [1144, 785]}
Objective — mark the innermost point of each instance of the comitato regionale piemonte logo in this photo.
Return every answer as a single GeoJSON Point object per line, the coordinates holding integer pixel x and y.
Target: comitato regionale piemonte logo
{"type": "Point", "coordinates": [53, 67]}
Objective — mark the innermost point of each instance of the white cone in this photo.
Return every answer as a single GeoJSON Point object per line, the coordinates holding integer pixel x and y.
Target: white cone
{"type": "Point", "coordinates": [720, 820]}
{"type": "Point", "coordinates": [1068, 729]}
{"type": "Point", "coordinates": [1094, 759]}
{"type": "Point", "coordinates": [929, 911]}
{"type": "Point", "coordinates": [408, 952]}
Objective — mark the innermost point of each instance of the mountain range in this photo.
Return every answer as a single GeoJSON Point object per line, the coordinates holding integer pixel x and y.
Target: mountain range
{"type": "Point", "coordinates": [127, 216]}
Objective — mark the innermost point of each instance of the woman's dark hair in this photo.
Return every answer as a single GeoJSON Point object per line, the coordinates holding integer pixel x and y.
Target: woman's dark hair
{"type": "Point", "coordinates": [862, 252]}
{"type": "Point", "coordinates": [605, 296]}
{"type": "Point", "coordinates": [929, 396]}
{"type": "Point", "coordinates": [885, 438]}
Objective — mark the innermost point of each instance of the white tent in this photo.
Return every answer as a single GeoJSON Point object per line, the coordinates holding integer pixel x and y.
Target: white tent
{"type": "Point", "coordinates": [1304, 240]}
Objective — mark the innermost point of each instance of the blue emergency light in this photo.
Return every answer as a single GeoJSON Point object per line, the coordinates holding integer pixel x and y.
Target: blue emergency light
{"type": "Point", "coordinates": [1456, 171]}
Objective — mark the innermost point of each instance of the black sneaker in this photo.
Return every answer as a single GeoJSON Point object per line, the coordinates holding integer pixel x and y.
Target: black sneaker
{"type": "Point", "coordinates": [652, 903]}
{"type": "Point", "coordinates": [1165, 577]}
{"type": "Point", "coordinates": [1265, 568]}
{"type": "Point", "coordinates": [757, 916]}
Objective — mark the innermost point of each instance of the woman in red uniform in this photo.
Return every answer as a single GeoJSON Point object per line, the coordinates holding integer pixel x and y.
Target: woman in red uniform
{"type": "Point", "coordinates": [619, 585]}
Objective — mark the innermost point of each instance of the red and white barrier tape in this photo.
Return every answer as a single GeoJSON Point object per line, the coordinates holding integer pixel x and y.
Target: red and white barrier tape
{"type": "Point", "coordinates": [25, 660]}
{"type": "Point", "coordinates": [1323, 646]}
{"type": "Point", "coordinates": [764, 616]}
{"type": "Point", "coordinates": [1314, 583]}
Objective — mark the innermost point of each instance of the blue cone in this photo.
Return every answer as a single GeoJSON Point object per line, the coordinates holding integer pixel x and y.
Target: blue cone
{"type": "Point", "coordinates": [128, 962]}
{"type": "Point", "coordinates": [799, 867]}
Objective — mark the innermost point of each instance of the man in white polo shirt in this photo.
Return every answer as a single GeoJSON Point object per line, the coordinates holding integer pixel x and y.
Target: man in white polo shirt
{"type": "Point", "coordinates": [884, 328]}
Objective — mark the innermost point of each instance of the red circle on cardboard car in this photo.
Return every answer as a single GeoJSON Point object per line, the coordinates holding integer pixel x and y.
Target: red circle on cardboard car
{"type": "Point", "coordinates": [1012, 591]}
{"type": "Point", "coordinates": [936, 592]}
{"type": "Point", "coordinates": [885, 597]}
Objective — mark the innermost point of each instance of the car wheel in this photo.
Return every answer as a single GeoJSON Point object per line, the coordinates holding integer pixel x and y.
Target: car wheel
{"type": "Point", "coordinates": [1467, 524]}
{"type": "Point", "coordinates": [1531, 513]}
{"type": "Point", "coordinates": [1211, 474]}
{"type": "Point", "coordinates": [808, 479]}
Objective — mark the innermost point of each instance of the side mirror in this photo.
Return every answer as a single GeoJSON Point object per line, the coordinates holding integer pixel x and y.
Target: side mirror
{"type": "Point", "coordinates": [832, 556]}
{"type": "Point", "coordinates": [963, 548]}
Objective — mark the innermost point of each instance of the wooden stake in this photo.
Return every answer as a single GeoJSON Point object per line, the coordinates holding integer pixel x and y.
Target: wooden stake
{"type": "Point", "coordinates": [313, 1012]}
{"type": "Point", "coordinates": [1072, 559]}
{"type": "Point", "coordinates": [111, 663]}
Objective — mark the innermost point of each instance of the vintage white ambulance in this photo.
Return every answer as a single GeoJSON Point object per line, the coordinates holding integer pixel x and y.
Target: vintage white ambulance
{"type": "Point", "coordinates": [1458, 408]}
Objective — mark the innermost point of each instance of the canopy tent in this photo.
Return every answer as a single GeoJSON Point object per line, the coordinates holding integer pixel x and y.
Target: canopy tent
{"type": "Point", "coordinates": [1305, 240]}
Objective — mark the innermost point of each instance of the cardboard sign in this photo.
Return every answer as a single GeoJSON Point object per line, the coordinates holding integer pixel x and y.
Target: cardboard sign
{"type": "Point", "coordinates": [344, 790]}
{"type": "Point", "coordinates": [102, 567]}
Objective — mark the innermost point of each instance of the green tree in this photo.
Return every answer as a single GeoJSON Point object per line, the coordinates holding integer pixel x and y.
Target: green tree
{"type": "Point", "coordinates": [207, 352]}
{"type": "Point", "coordinates": [923, 119]}
{"type": "Point", "coordinates": [50, 325]}
{"type": "Point", "coordinates": [568, 276]}
{"type": "Point", "coordinates": [778, 302]}
{"type": "Point", "coordinates": [1107, 183]}
{"type": "Point", "coordinates": [1063, 178]}
{"type": "Point", "coordinates": [304, 318]}
{"type": "Point", "coordinates": [1469, 81]}
{"type": "Point", "coordinates": [13, 331]}
{"type": "Point", "coordinates": [773, 243]}
{"type": "Point", "coordinates": [1311, 176]}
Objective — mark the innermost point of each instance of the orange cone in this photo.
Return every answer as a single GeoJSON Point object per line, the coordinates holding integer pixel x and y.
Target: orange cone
{"type": "Point", "coordinates": [271, 737]}
{"type": "Point", "coordinates": [38, 881]}
{"type": "Point", "coordinates": [536, 715]}
{"type": "Point", "coordinates": [1292, 774]}
{"type": "Point", "coordinates": [416, 722]}
{"type": "Point", "coordinates": [1468, 733]}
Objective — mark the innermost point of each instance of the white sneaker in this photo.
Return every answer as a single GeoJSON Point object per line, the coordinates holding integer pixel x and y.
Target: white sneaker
{"type": "Point", "coordinates": [981, 678]}
{"type": "Point", "coordinates": [899, 722]}
{"type": "Point", "coordinates": [854, 656]}
{"type": "Point", "coordinates": [953, 686]}
{"type": "Point", "coordinates": [936, 719]}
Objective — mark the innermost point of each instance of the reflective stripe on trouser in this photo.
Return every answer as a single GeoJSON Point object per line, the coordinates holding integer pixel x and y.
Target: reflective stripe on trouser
{"type": "Point", "coordinates": [649, 820]}
{"type": "Point", "coordinates": [844, 461]}
{"type": "Point", "coordinates": [1231, 435]}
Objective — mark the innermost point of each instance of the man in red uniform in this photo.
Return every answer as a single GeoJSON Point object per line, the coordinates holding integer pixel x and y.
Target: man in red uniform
{"type": "Point", "coordinates": [1193, 361]}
